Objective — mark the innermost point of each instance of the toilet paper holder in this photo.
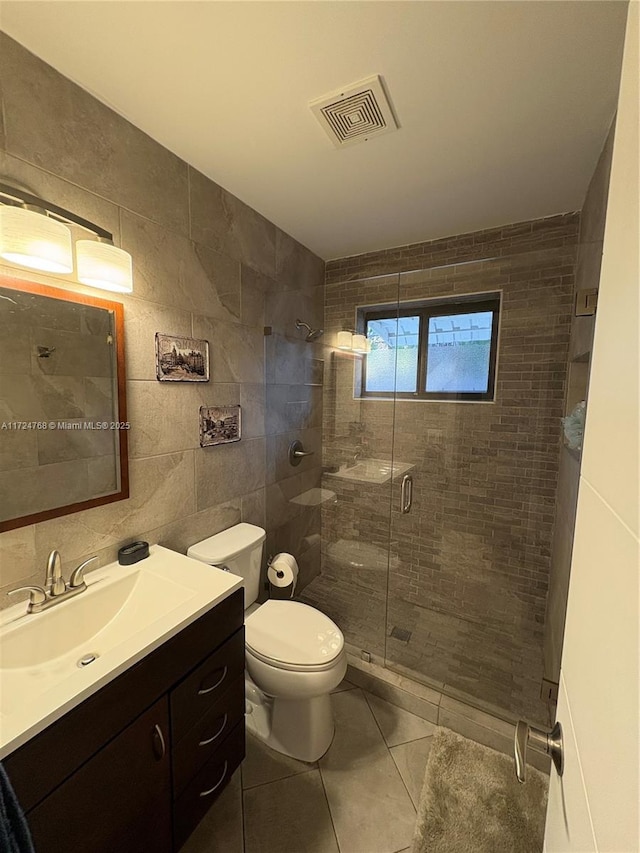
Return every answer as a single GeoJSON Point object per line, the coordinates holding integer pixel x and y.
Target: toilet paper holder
{"type": "Point", "coordinates": [280, 574]}
{"type": "Point", "coordinates": [269, 561]}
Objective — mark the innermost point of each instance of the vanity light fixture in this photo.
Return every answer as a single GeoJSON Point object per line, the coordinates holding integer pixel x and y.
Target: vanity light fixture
{"type": "Point", "coordinates": [30, 238]}
{"type": "Point", "coordinates": [354, 342]}
{"type": "Point", "coordinates": [101, 264]}
{"type": "Point", "coordinates": [36, 234]}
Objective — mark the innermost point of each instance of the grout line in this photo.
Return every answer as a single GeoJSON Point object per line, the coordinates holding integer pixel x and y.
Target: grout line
{"type": "Point", "coordinates": [395, 764]}
{"type": "Point", "coordinates": [333, 826]}
{"type": "Point", "coordinates": [244, 816]}
{"type": "Point", "coordinates": [280, 779]}
{"type": "Point", "coordinates": [243, 834]}
{"type": "Point", "coordinates": [384, 740]}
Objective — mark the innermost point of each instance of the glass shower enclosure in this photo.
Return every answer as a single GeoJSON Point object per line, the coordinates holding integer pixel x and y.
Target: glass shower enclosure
{"type": "Point", "coordinates": [440, 452]}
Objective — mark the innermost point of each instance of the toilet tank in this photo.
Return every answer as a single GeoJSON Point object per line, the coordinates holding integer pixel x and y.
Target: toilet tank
{"type": "Point", "coordinates": [238, 549]}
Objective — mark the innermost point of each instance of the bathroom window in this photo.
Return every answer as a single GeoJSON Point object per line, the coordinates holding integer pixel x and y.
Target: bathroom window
{"type": "Point", "coordinates": [437, 350]}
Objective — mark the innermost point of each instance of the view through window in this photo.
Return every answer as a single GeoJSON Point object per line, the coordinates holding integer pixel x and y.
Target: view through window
{"type": "Point", "coordinates": [442, 349]}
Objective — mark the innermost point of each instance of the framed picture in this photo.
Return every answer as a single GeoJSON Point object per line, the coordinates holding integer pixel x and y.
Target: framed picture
{"type": "Point", "coordinates": [181, 359]}
{"type": "Point", "coordinates": [220, 425]}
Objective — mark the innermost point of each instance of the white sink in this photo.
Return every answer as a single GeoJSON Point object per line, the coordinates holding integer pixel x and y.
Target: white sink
{"type": "Point", "coordinates": [125, 613]}
{"type": "Point", "coordinates": [372, 471]}
{"type": "Point", "coordinates": [108, 613]}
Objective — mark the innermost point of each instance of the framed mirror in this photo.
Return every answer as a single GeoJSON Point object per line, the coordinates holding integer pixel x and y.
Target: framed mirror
{"type": "Point", "coordinates": [63, 415]}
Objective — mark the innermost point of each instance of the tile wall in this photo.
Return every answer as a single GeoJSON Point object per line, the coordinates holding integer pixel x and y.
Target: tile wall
{"type": "Point", "coordinates": [206, 265]}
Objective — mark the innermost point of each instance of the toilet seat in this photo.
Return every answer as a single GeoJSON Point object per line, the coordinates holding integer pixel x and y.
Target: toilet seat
{"type": "Point", "coordinates": [293, 636]}
{"type": "Point", "coordinates": [290, 667]}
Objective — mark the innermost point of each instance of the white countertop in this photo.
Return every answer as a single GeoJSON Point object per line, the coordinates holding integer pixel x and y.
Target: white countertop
{"type": "Point", "coordinates": [141, 607]}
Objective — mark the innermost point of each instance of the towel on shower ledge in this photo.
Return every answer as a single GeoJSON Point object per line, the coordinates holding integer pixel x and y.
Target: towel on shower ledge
{"type": "Point", "coordinates": [14, 832]}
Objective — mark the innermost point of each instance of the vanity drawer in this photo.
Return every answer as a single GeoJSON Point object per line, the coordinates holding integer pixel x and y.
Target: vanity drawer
{"type": "Point", "coordinates": [200, 690]}
{"type": "Point", "coordinates": [207, 735]}
{"type": "Point", "coordinates": [207, 785]}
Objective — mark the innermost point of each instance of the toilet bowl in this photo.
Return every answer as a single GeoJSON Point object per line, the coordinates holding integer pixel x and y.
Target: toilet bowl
{"type": "Point", "coordinates": [294, 654]}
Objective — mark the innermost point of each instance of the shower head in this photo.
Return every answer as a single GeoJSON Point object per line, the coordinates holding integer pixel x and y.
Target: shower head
{"type": "Point", "coordinates": [312, 334]}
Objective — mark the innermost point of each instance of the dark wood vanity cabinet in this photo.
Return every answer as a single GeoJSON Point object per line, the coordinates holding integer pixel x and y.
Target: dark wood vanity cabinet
{"type": "Point", "coordinates": [117, 800]}
{"type": "Point", "coordinates": [136, 766]}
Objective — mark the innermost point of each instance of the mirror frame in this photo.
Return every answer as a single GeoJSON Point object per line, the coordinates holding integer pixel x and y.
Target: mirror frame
{"type": "Point", "coordinates": [27, 286]}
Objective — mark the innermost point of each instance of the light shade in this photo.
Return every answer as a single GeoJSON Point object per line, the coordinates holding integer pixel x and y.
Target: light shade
{"type": "Point", "coordinates": [103, 265]}
{"type": "Point", "coordinates": [34, 240]}
{"type": "Point", "coordinates": [359, 344]}
{"type": "Point", "coordinates": [343, 340]}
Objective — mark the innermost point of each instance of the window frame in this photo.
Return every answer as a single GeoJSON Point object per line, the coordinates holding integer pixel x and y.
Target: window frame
{"type": "Point", "coordinates": [425, 310]}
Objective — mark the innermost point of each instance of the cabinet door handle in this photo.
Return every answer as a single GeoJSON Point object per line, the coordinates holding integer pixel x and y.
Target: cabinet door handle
{"type": "Point", "coordinates": [218, 783]}
{"type": "Point", "coordinates": [159, 746]}
{"type": "Point", "coordinates": [204, 690]}
{"type": "Point", "coordinates": [216, 735]}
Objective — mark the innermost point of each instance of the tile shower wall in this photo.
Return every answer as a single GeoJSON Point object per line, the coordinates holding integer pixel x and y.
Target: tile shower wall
{"type": "Point", "coordinates": [294, 376]}
{"type": "Point", "coordinates": [205, 264]}
{"type": "Point", "coordinates": [463, 603]}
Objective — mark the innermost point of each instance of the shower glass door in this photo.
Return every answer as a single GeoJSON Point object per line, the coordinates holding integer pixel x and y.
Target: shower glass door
{"type": "Point", "coordinates": [468, 560]}
{"type": "Point", "coordinates": [440, 586]}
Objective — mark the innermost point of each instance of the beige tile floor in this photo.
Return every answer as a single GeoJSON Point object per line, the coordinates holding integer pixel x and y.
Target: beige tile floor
{"type": "Point", "coordinates": [360, 797]}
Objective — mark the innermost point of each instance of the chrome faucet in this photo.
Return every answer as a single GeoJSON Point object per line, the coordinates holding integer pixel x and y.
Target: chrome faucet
{"type": "Point", "coordinates": [54, 583]}
{"type": "Point", "coordinates": [55, 589]}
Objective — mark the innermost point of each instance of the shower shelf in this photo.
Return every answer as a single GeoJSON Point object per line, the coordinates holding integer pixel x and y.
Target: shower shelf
{"type": "Point", "coordinates": [376, 471]}
{"type": "Point", "coordinates": [314, 497]}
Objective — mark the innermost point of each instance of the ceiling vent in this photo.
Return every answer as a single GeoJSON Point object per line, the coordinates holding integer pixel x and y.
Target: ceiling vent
{"type": "Point", "coordinates": [357, 113]}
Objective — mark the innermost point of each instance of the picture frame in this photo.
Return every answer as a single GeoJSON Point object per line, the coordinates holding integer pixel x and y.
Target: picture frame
{"type": "Point", "coordinates": [220, 425]}
{"type": "Point", "coordinates": [181, 359]}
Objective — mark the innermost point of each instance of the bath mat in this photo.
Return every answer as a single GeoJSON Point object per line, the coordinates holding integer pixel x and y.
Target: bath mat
{"type": "Point", "coordinates": [471, 801]}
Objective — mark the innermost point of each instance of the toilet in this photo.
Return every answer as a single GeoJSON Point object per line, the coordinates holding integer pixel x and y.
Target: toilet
{"type": "Point", "coordinates": [295, 655]}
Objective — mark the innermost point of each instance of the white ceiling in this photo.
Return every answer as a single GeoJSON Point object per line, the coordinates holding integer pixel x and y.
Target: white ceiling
{"type": "Point", "coordinates": [503, 106]}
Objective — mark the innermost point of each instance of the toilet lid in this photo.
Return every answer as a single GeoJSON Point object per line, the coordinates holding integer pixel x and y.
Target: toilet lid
{"type": "Point", "coordinates": [293, 633]}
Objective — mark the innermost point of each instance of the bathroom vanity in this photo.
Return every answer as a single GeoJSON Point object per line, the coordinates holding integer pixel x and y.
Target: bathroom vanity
{"type": "Point", "coordinates": [135, 765]}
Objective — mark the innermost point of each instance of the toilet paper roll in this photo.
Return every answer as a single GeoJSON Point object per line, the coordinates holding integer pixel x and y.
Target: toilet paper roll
{"type": "Point", "coordinates": [283, 570]}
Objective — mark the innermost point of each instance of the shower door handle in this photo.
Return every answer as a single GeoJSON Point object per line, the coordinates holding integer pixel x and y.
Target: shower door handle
{"type": "Point", "coordinates": [406, 494]}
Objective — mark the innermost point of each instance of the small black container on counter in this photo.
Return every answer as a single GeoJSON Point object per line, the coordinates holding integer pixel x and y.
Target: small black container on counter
{"type": "Point", "coordinates": [132, 553]}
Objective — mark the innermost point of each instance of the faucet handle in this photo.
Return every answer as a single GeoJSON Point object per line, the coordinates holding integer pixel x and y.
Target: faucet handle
{"type": "Point", "coordinates": [77, 576]}
{"type": "Point", "coordinates": [37, 595]}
